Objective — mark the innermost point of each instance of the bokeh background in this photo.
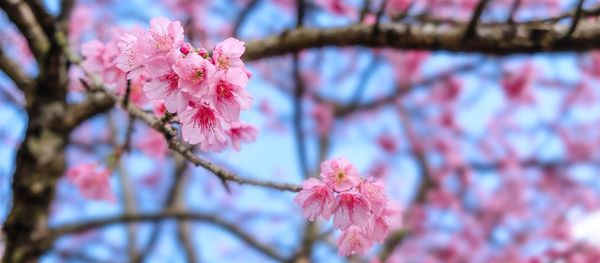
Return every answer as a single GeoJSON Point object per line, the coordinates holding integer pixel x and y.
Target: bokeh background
{"type": "Point", "coordinates": [510, 142]}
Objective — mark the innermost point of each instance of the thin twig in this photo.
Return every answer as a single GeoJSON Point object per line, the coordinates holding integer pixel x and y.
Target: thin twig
{"type": "Point", "coordinates": [174, 214]}
{"type": "Point", "coordinates": [237, 26]}
{"type": "Point", "coordinates": [472, 26]}
{"type": "Point", "coordinates": [513, 11]}
{"type": "Point", "coordinates": [575, 22]}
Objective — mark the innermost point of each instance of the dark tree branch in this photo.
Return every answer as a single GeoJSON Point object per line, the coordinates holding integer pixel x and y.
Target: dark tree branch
{"type": "Point", "coordinates": [66, 8]}
{"type": "Point", "coordinates": [471, 30]}
{"type": "Point", "coordinates": [24, 18]}
{"type": "Point", "coordinates": [94, 104]}
{"type": "Point", "coordinates": [14, 72]}
{"type": "Point", "coordinates": [172, 214]}
{"type": "Point", "coordinates": [42, 16]}
{"type": "Point", "coordinates": [526, 38]}
{"type": "Point", "coordinates": [576, 17]}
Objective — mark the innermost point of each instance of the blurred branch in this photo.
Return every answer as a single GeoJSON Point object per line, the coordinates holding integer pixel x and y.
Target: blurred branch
{"type": "Point", "coordinates": [345, 110]}
{"type": "Point", "coordinates": [94, 104]}
{"type": "Point", "coordinates": [126, 190]}
{"type": "Point", "coordinates": [392, 241]}
{"type": "Point", "coordinates": [364, 10]}
{"type": "Point", "coordinates": [172, 214]}
{"type": "Point", "coordinates": [13, 71]}
{"type": "Point", "coordinates": [24, 18]}
{"type": "Point", "coordinates": [297, 120]}
{"type": "Point", "coordinates": [427, 183]}
{"type": "Point", "coordinates": [66, 8]}
{"type": "Point", "coordinates": [241, 19]}
{"type": "Point", "coordinates": [298, 96]}
{"type": "Point", "coordinates": [174, 201]}
{"type": "Point", "coordinates": [41, 14]}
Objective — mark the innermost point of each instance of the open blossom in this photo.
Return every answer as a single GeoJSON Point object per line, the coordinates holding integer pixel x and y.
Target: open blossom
{"type": "Point", "coordinates": [228, 95]}
{"type": "Point", "coordinates": [153, 144]}
{"type": "Point", "coordinates": [228, 53]}
{"type": "Point", "coordinates": [353, 240]}
{"type": "Point", "coordinates": [195, 73]}
{"type": "Point", "coordinates": [206, 93]}
{"type": "Point", "coordinates": [388, 219]}
{"type": "Point", "coordinates": [165, 86]}
{"type": "Point", "coordinates": [360, 207]}
{"type": "Point", "coordinates": [316, 199]}
{"type": "Point", "coordinates": [131, 60]}
{"type": "Point", "coordinates": [92, 181]}
{"type": "Point", "coordinates": [241, 132]}
{"type": "Point", "coordinates": [165, 35]}
{"type": "Point", "coordinates": [340, 174]}
{"type": "Point", "coordinates": [351, 209]}
{"type": "Point", "coordinates": [203, 124]}
{"type": "Point", "coordinates": [374, 192]}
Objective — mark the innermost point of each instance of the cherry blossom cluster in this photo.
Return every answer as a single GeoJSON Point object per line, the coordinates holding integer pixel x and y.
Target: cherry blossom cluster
{"type": "Point", "coordinates": [206, 90]}
{"type": "Point", "coordinates": [92, 180]}
{"type": "Point", "coordinates": [360, 207]}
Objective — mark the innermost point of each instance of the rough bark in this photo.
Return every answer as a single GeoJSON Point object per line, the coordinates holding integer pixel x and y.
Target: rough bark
{"type": "Point", "coordinates": [40, 162]}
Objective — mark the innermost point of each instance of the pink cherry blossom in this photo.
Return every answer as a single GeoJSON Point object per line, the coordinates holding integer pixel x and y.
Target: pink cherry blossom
{"type": "Point", "coordinates": [353, 240]}
{"type": "Point", "coordinates": [387, 220]}
{"type": "Point", "coordinates": [227, 93]}
{"type": "Point", "coordinates": [228, 53]}
{"type": "Point", "coordinates": [165, 85]}
{"type": "Point", "coordinates": [374, 192]}
{"type": "Point", "coordinates": [153, 144]}
{"type": "Point", "coordinates": [203, 124]}
{"type": "Point", "coordinates": [323, 116]}
{"type": "Point", "coordinates": [131, 59]}
{"type": "Point", "coordinates": [338, 7]}
{"type": "Point", "coordinates": [93, 52]}
{"type": "Point", "coordinates": [194, 74]}
{"type": "Point", "coordinates": [316, 199]}
{"type": "Point", "coordinates": [241, 132]}
{"type": "Point", "coordinates": [351, 208]}
{"type": "Point", "coordinates": [339, 174]}
{"type": "Point", "coordinates": [92, 181]}
{"type": "Point", "coordinates": [165, 35]}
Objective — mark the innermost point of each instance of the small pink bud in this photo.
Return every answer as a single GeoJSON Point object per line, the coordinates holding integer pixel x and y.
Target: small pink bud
{"type": "Point", "coordinates": [185, 48]}
{"type": "Point", "coordinates": [203, 52]}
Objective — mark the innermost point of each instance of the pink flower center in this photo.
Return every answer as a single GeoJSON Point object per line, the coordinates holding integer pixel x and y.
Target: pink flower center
{"type": "Point", "coordinates": [205, 118]}
{"type": "Point", "coordinates": [200, 75]}
{"type": "Point", "coordinates": [223, 62]}
{"type": "Point", "coordinates": [225, 90]}
{"type": "Point", "coordinates": [172, 79]}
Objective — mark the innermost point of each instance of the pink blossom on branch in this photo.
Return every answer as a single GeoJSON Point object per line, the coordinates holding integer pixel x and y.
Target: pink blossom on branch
{"type": "Point", "coordinates": [316, 199]}
{"type": "Point", "coordinates": [340, 174]}
{"type": "Point", "coordinates": [92, 181]}
{"type": "Point", "coordinates": [360, 207]}
{"type": "Point", "coordinates": [207, 93]}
